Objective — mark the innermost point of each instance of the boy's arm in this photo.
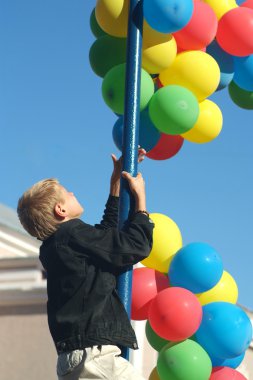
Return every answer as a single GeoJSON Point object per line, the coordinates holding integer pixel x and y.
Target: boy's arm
{"type": "Point", "coordinates": [111, 212]}
{"type": "Point", "coordinates": [118, 248]}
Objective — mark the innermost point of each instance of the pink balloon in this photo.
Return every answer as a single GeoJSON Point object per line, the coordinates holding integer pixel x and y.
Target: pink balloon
{"type": "Point", "coordinates": [146, 284]}
{"type": "Point", "coordinates": [175, 314]}
{"type": "Point", "coordinates": [167, 147]}
{"type": "Point", "coordinates": [247, 4]}
{"type": "Point", "coordinates": [226, 373]}
{"type": "Point", "coordinates": [235, 31]}
{"type": "Point", "coordinates": [200, 30]}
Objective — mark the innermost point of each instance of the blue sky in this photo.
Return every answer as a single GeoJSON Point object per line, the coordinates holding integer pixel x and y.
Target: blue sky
{"type": "Point", "coordinates": [54, 123]}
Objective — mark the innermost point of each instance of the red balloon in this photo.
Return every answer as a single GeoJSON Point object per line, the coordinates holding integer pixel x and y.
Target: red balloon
{"type": "Point", "coordinates": [167, 147]}
{"type": "Point", "coordinates": [175, 314]}
{"type": "Point", "coordinates": [159, 83]}
{"type": "Point", "coordinates": [146, 284]}
{"type": "Point", "coordinates": [235, 31]}
{"type": "Point", "coordinates": [247, 4]}
{"type": "Point", "coordinates": [180, 50]}
{"type": "Point", "coordinates": [226, 373]}
{"type": "Point", "coordinates": [200, 30]}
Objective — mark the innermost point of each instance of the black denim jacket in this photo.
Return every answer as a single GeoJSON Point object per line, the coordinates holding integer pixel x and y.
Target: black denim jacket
{"type": "Point", "coordinates": [82, 264]}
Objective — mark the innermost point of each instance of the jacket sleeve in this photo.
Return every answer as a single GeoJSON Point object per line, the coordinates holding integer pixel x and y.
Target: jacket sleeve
{"type": "Point", "coordinates": [118, 248]}
{"type": "Point", "coordinates": [111, 213]}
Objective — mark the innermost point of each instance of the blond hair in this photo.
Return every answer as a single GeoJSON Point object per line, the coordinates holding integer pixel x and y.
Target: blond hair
{"type": "Point", "coordinates": [36, 208]}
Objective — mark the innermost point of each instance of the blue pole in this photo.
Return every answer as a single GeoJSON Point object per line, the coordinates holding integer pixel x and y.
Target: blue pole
{"type": "Point", "coordinates": [131, 134]}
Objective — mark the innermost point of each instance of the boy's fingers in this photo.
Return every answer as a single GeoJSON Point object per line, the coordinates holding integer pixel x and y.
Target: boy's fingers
{"type": "Point", "coordinates": [142, 151]}
{"type": "Point", "coordinates": [126, 175]}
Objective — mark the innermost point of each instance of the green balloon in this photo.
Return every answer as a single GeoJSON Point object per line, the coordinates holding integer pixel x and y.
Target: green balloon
{"type": "Point", "coordinates": [240, 97]}
{"type": "Point", "coordinates": [154, 340]}
{"type": "Point", "coordinates": [107, 52]}
{"type": "Point", "coordinates": [113, 89]}
{"type": "Point", "coordinates": [185, 360]}
{"type": "Point", "coordinates": [173, 109]}
{"type": "Point", "coordinates": [95, 28]}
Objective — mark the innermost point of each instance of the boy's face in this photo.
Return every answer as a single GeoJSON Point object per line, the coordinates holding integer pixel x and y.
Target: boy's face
{"type": "Point", "coordinates": [70, 204]}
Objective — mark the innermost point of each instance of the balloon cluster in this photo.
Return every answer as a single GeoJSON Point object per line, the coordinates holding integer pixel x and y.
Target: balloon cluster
{"type": "Point", "coordinates": [191, 49]}
{"type": "Point", "coordinates": [189, 302]}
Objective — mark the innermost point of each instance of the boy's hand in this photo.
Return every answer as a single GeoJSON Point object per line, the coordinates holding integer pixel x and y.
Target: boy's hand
{"type": "Point", "coordinates": [137, 187]}
{"type": "Point", "coordinates": [117, 169]}
{"type": "Point", "coordinates": [117, 163]}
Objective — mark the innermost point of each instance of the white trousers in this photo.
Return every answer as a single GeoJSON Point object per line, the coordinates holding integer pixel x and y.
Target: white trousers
{"type": "Point", "coordinates": [98, 362]}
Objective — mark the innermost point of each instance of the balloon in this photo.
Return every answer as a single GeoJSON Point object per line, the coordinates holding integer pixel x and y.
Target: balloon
{"type": "Point", "coordinates": [247, 4]}
{"type": "Point", "coordinates": [166, 147]}
{"type": "Point", "coordinates": [225, 290]}
{"type": "Point", "coordinates": [234, 30]}
{"type": "Point", "coordinates": [175, 314]}
{"type": "Point", "coordinates": [173, 110]}
{"type": "Point", "coordinates": [244, 72]}
{"type": "Point", "coordinates": [240, 97]}
{"type": "Point", "coordinates": [196, 267]}
{"type": "Point", "coordinates": [152, 37]}
{"type": "Point", "coordinates": [183, 361]}
{"type": "Point", "coordinates": [154, 375]}
{"type": "Point", "coordinates": [95, 28]}
{"type": "Point", "coordinates": [154, 340]}
{"type": "Point", "coordinates": [232, 363]}
{"type": "Point", "coordinates": [148, 134]}
{"type": "Point", "coordinates": [159, 50]}
{"type": "Point", "coordinates": [147, 283]}
{"type": "Point", "coordinates": [113, 88]}
{"type": "Point", "coordinates": [112, 16]}
{"type": "Point", "coordinates": [107, 52]}
{"type": "Point", "coordinates": [221, 7]}
{"type": "Point", "coordinates": [167, 16]}
{"type": "Point", "coordinates": [225, 62]}
{"type": "Point", "coordinates": [225, 373]}
{"type": "Point", "coordinates": [225, 331]}
{"type": "Point", "coordinates": [167, 240]}
{"type": "Point", "coordinates": [159, 84]}
{"type": "Point", "coordinates": [200, 30]}
{"type": "Point", "coordinates": [195, 70]}
{"type": "Point", "coordinates": [208, 125]}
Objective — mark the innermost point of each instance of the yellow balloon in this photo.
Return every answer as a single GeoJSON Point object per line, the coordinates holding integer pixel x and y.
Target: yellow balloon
{"type": "Point", "coordinates": [152, 37]}
{"type": "Point", "coordinates": [225, 290]}
{"type": "Point", "coordinates": [208, 124]}
{"type": "Point", "coordinates": [158, 57]}
{"type": "Point", "coordinates": [112, 16]}
{"type": "Point", "coordinates": [159, 50]}
{"type": "Point", "coordinates": [154, 375]}
{"type": "Point", "coordinates": [195, 70]}
{"type": "Point", "coordinates": [167, 240]}
{"type": "Point", "coordinates": [220, 7]}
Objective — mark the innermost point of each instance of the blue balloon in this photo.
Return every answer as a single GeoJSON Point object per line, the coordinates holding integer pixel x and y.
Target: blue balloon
{"type": "Point", "coordinates": [167, 16]}
{"type": "Point", "coordinates": [244, 72]}
{"type": "Point", "coordinates": [148, 134]}
{"type": "Point", "coordinates": [232, 363]}
{"type": "Point", "coordinates": [196, 267]}
{"type": "Point", "coordinates": [225, 62]}
{"type": "Point", "coordinates": [225, 331]}
{"type": "Point", "coordinates": [117, 133]}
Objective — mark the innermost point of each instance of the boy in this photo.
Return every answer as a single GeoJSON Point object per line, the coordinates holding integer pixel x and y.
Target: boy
{"type": "Point", "coordinates": [86, 318]}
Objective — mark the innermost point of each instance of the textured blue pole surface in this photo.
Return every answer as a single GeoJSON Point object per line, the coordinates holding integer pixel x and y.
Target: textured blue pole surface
{"type": "Point", "coordinates": [131, 133]}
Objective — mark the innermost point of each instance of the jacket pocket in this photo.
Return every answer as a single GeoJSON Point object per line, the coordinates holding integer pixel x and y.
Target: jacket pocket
{"type": "Point", "coordinates": [68, 361]}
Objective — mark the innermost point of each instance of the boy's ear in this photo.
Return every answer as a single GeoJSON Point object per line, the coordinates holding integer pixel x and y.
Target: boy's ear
{"type": "Point", "coordinates": [59, 210]}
